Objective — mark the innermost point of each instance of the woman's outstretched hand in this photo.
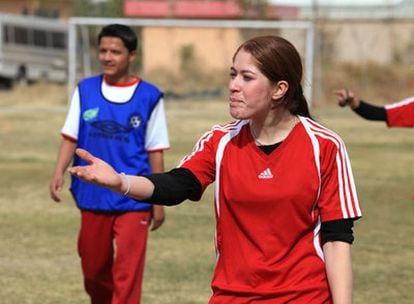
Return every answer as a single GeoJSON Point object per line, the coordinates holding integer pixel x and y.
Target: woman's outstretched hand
{"type": "Point", "coordinates": [98, 172]}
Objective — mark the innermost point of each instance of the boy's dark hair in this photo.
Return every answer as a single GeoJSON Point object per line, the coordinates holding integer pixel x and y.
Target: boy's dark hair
{"type": "Point", "coordinates": [123, 32]}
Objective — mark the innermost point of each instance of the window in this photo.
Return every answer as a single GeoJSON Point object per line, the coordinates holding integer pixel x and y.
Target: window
{"type": "Point", "coordinates": [21, 35]}
{"type": "Point", "coordinates": [6, 34]}
{"type": "Point", "coordinates": [40, 38]}
{"type": "Point", "coordinates": [58, 40]}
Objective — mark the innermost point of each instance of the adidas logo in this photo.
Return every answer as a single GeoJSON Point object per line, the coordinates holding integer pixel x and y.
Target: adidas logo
{"type": "Point", "coordinates": [266, 174]}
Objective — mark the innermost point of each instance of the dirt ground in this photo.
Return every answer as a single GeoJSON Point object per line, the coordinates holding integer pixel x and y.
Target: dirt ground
{"type": "Point", "coordinates": [38, 94]}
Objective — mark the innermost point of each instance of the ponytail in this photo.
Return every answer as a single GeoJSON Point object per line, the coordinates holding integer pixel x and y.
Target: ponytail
{"type": "Point", "coordinates": [299, 105]}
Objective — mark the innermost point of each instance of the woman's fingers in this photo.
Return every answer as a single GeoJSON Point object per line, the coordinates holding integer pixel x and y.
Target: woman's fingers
{"type": "Point", "coordinates": [77, 170]}
{"type": "Point", "coordinates": [85, 155]}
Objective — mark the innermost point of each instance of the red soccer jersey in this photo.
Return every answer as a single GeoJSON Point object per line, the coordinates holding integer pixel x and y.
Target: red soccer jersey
{"type": "Point", "coordinates": [401, 114]}
{"type": "Point", "coordinates": [269, 209]}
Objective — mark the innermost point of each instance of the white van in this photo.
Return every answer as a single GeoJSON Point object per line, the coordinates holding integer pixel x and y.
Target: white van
{"type": "Point", "coordinates": [32, 48]}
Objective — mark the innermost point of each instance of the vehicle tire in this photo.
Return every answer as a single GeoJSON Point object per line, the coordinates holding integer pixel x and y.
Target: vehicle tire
{"type": "Point", "coordinates": [22, 76]}
{"type": "Point", "coordinates": [6, 83]}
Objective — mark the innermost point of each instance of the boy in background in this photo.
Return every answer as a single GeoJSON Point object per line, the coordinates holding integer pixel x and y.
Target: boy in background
{"type": "Point", "coordinates": [121, 118]}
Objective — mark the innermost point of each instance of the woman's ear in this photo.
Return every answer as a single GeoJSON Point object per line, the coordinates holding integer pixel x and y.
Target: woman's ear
{"type": "Point", "coordinates": [280, 89]}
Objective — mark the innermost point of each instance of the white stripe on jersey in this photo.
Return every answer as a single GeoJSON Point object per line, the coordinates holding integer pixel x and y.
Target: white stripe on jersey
{"type": "Point", "coordinates": [400, 103]}
{"type": "Point", "coordinates": [316, 240]}
{"type": "Point", "coordinates": [199, 146]}
{"type": "Point", "coordinates": [347, 191]}
{"type": "Point", "coordinates": [234, 130]}
{"type": "Point", "coordinates": [315, 144]}
{"type": "Point", "coordinates": [342, 172]}
{"type": "Point", "coordinates": [316, 153]}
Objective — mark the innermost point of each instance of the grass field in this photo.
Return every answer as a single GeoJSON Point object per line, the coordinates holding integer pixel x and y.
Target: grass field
{"type": "Point", "coordinates": [38, 259]}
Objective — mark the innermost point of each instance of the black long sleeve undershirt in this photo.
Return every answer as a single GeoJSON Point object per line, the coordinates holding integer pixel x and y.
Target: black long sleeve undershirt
{"type": "Point", "coordinates": [174, 187]}
{"type": "Point", "coordinates": [371, 112]}
{"type": "Point", "coordinates": [338, 230]}
{"type": "Point", "coordinates": [177, 185]}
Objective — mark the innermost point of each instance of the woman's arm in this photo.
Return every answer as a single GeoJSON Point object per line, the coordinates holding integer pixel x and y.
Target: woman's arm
{"type": "Point", "coordinates": [102, 174]}
{"type": "Point", "coordinates": [168, 188]}
{"type": "Point", "coordinates": [339, 271]}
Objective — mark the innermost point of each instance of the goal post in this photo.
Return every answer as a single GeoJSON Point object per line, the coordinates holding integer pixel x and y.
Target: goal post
{"type": "Point", "coordinates": [79, 64]}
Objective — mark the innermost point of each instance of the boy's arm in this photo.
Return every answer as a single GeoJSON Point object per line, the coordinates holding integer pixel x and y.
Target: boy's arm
{"type": "Point", "coordinates": [65, 155]}
{"type": "Point", "coordinates": [156, 160]}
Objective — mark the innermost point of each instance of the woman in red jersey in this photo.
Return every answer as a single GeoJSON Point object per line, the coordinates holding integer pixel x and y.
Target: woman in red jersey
{"type": "Point", "coordinates": [285, 198]}
{"type": "Point", "coordinates": [398, 114]}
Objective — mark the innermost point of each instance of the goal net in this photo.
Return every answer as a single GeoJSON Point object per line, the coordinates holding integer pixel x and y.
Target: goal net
{"type": "Point", "coordinates": [185, 58]}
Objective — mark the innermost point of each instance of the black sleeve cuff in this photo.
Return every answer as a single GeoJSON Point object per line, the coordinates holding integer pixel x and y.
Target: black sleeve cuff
{"type": "Point", "coordinates": [371, 112]}
{"type": "Point", "coordinates": [339, 230]}
{"type": "Point", "coordinates": [174, 187]}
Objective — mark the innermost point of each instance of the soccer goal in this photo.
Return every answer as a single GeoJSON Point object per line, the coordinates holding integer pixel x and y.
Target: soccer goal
{"type": "Point", "coordinates": [185, 55]}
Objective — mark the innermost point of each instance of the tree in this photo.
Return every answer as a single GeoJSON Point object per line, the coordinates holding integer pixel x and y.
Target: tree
{"type": "Point", "coordinates": [254, 8]}
{"type": "Point", "coordinates": [103, 8]}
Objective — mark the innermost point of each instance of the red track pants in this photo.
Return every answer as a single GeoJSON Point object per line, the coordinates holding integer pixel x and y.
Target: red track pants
{"type": "Point", "coordinates": [112, 249]}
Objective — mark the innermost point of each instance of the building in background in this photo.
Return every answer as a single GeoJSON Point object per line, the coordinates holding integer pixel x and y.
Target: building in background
{"type": "Point", "coordinates": [382, 34]}
{"type": "Point", "coordinates": [338, 10]}
{"type": "Point", "coordinates": [208, 9]}
{"type": "Point", "coordinates": [210, 49]}
{"type": "Point", "coordinates": [41, 8]}
{"type": "Point", "coordinates": [361, 36]}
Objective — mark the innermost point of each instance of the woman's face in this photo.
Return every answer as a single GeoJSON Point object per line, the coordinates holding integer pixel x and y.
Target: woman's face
{"type": "Point", "coordinates": [250, 91]}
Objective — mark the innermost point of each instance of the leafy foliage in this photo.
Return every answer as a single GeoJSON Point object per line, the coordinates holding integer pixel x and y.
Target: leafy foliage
{"type": "Point", "coordinates": [89, 8]}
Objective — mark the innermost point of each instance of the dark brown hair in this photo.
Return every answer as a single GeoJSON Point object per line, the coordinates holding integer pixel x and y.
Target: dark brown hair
{"type": "Point", "coordinates": [121, 31]}
{"type": "Point", "coordinates": [279, 60]}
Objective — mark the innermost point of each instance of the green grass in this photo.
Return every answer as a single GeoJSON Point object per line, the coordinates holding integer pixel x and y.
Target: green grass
{"type": "Point", "coordinates": [38, 258]}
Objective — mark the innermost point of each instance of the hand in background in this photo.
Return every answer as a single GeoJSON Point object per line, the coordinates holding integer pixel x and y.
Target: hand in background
{"type": "Point", "coordinates": [55, 187]}
{"type": "Point", "coordinates": [158, 217]}
{"type": "Point", "coordinates": [347, 98]}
